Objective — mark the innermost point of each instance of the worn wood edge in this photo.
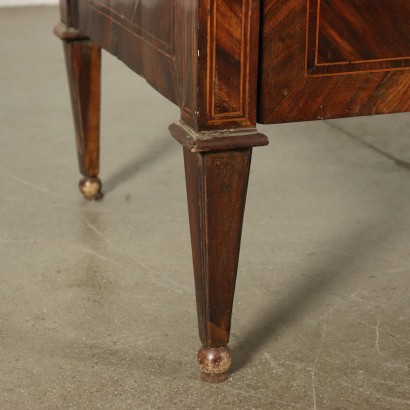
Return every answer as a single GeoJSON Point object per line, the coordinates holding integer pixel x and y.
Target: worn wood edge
{"type": "Point", "coordinates": [220, 140]}
{"type": "Point", "coordinates": [68, 33]}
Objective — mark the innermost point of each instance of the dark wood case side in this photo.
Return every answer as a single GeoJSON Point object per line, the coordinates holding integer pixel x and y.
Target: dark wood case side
{"type": "Point", "coordinates": [137, 37]}
{"type": "Point", "coordinates": [205, 60]}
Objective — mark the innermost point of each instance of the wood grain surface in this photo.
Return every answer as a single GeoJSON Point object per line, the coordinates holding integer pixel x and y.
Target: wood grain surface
{"type": "Point", "coordinates": [203, 56]}
{"type": "Point", "coordinates": [354, 35]}
{"type": "Point", "coordinates": [322, 59]}
{"type": "Point", "coordinates": [216, 187]}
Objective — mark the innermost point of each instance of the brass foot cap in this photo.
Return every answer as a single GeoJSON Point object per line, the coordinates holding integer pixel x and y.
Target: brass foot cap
{"type": "Point", "coordinates": [214, 360]}
{"type": "Point", "coordinates": [90, 187]}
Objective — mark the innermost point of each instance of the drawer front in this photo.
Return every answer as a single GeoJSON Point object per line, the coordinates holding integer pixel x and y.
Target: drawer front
{"type": "Point", "coordinates": [324, 59]}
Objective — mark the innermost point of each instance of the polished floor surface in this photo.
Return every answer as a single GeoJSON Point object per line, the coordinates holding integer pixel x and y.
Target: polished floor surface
{"type": "Point", "coordinates": [97, 302]}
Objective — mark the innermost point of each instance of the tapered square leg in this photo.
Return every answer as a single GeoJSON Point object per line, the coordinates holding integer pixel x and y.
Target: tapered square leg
{"type": "Point", "coordinates": [217, 172]}
{"type": "Point", "coordinates": [83, 62]}
{"type": "Point", "coordinates": [216, 188]}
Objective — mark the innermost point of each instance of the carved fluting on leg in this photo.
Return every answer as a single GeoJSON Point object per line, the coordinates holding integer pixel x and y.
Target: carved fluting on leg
{"type": "Point", "coordinates": [83, 61]}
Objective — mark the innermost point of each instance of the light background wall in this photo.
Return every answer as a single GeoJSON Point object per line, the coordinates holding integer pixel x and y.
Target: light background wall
{"type": "Point", "coordinates": [10, 3]}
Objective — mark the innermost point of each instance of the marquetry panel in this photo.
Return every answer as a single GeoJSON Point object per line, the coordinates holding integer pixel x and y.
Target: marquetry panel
{"type": "Point", "coordinates": [346, 36]}
{"type": "Point", "coordinates": [324, 59]}
{"type": "Point", "coordinates": [226, 65]}
{"type": "Point", "coordinates": [228, 79]}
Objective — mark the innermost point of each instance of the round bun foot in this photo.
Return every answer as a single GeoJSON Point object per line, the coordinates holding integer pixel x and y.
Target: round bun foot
{"type": "Point", "coordinates": [91, 188]}
{"type": "Point", "coordinates": [215, 361]}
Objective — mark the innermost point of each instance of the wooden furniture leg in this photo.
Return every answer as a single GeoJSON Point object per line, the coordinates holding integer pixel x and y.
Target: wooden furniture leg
{"type": "Point", "coordinates": [216, 189]}
{"type": "Point", "coordinates": [83, 61]}
{"type": "Point", "coordinates": [204, 57]}
{"type": "Point", "coordinates": [217, 130]}
{"type": "Point", "coordinates": [217, 171]}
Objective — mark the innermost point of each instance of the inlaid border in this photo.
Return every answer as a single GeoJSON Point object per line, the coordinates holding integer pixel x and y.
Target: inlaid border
{"type": "Point", "coordinates": [212, 62]}
{"type": "Point", "coordinates": [313, 68]}
{"type": "Point", "coordinates": [220, 42]}
{"type": "Point", "coordinates": [167, 48]}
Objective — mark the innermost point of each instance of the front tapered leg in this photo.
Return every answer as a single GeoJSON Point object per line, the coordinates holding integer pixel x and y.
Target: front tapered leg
{"type": "Point", "coordinates": [83, 61]}
{"type": "Point", "coordinates": [217, 170]}
{"type": "Point", "coordinates": [216, 187]}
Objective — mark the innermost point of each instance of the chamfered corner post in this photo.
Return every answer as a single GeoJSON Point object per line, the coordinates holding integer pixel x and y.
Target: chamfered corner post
{"type": "Point", "coordinates": [83, 62]}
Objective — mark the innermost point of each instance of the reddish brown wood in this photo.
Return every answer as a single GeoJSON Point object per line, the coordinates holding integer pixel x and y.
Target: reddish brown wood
{"type": "Point", "coordinates": [226, 66]}
{"type": "Point", "coordinates": [318, 59]}
{"type": "Point", "coordinates": [68, 33]}
{"type": "Point", "coordinates": [144, 34]}
{"type": "Point", "coordinates": [83, 61]}
{"type": "Point", "coordinates": [68, 13]}
{"type": "Point", "coordinates": [216, 189]}
{"type": "Point", "coordinates": [218, 140]}
{"type": "Point", "coordinates": [360, 31]}
{"type": "Point", "coordinates": [217, 170]}
{"type": "Point", "coordinates": [325, 59]}
{"type": "Point", "coordinates": [214, 362]}
{"type": "Point", "coordinates": [202, 56]}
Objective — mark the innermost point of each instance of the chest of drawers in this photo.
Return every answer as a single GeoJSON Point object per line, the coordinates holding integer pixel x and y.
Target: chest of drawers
{"type": "Point", "coordinates": [229, 64]}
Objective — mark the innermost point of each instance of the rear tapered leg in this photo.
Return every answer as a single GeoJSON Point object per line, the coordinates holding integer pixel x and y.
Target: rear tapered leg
{"type": "Point", "coordinates": [83, 61]}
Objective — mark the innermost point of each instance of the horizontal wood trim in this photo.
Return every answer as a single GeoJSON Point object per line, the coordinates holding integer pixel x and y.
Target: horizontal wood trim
{"type": "Point", "coordinates": [218, 140]}
{"type": "Point", "coordinates": [68, 33]}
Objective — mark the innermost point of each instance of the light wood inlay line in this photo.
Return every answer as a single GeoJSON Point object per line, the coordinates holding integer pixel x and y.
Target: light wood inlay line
{"type": "Point", "coordinates": [317, 23]}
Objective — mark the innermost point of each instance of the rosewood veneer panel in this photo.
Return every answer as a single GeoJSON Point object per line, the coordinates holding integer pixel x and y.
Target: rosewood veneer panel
{"type": "Point", "coordinates": [141, 33]}
{"type": "Point", "coordinates": [325, 59]}
{"type": "Point", "coordinates": [358, 35]}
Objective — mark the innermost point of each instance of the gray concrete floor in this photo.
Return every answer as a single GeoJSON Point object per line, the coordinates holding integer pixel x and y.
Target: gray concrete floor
{"type": "Point", "coordinates": [97, 301]}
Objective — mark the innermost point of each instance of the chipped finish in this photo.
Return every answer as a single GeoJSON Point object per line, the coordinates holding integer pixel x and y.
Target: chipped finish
{"type": "Point", "coordinates": [91, 188]}
{"type": "Point", "coordinates": [214, 360]}
{"type": "Point", "coordinates": [217, 140]}
{"type": "Point", "coordinates": [68, 33]}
